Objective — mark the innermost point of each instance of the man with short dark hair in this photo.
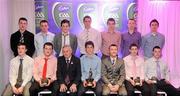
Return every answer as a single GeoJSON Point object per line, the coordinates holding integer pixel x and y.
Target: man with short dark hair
{"type": "Point", "coordinates": [22, 36]}
{"type": "Point", "coordinates": [157, 74]}
{"type": "Point", "coordinates": [89, 34]}
{"type": "Point", "coordinates": [90, 63]}
{"type": "Point", "coordinates": [20, 73]}
{"type": "Point", "coordinates": [44, 71]}
{"type": "Point", "coordinates": [42, 37]}
{"type": "Point", "coordinates": [152, 39]}
{"type": "Point", "coordinates": [64, 38]}
{"type": "Point", "coordinates": [113, 73]}
{"type": "Point", "coordinates": [110, 37]}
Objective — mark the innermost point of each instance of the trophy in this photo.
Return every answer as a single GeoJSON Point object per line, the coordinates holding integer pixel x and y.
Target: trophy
{"type": "Point", "coordinates": [90, 79]}
{"type": "Point", "coordinates": [44, 81]}
{"type": "Point", "coordinates": [137, 81]}
{"type": "Point", "coordinates": [154, 79]}
{"type": "Point", "coordinates": [18, 83]}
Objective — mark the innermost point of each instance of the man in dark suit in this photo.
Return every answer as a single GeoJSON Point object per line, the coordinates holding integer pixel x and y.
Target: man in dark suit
{"type": "Point", "coordinates": [22, 36]}
{"type": "Point", "coordinates": [68, 73]}
{"type": "Point", "coordinates": [64, 38]}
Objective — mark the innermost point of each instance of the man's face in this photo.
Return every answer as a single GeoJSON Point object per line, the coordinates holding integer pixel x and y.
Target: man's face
{"type": "Point", "coordinates": [113, 51]}
{"type": "Point", "coordinates": [87, 22]}
{"type": "Point", "coordinates": [65, 27]}
{"type": "Point", "coordinates": [48, 50]}
{"type": "Point", "coordinates": [22, 25]}
{"type": "Point", "coordinates": [67, 52]}
{"type": "Point", "coordinates": [133, 50]}
{"type": "Point", "coordinates": [157, 53]}
{"type": "Point", "coordinates": [131, 24]}
{"type": "Point", "coordinates": [111, 25]}
{"type": "Point", "coordinates": [44, 27]}
{"type": "Point", "coordinates": [89, 49]}
{"type": "Point", "coordinates": [21, 50]}
{"type": "Point", "coordinates": [154, 26]}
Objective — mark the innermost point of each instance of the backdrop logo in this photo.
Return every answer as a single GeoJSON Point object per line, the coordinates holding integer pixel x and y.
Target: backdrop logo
{"type": "Point", "coordinates": [88, 9]}
{"type": "Point", "coordinates": [60, 11]}
{"type": "Point", "coordinates": [113, 11]}
{"type": "Point", "coordinates": [132, 11]}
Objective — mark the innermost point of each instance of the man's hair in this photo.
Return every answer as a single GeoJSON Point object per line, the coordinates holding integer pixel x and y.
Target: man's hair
{"type": "Point", "coordinates": [43, 21]}
{"type": "Point", "coordinates": [113, 45]}
{"type": "Point", "coordinates": [154, 20]}
{"type": "Point", "coordinates": [133, 45]}
{"type": "Point", "coordinates": [67, 46]}
{"type": "Point", "coordinates": [22, 18]}
{"type": "Point", "coordinates": [65, 21]}
{"type": "Point", "coordinates": [21, 44]}
{"type": "Point", "coordinates": [156, 47]}
{"type": "Point", "coordinates": [89, 43]}
{"type": "Point", "coordinates": [111, 19]}
{"type": "Point", "coordinates": [48, 44]}
{"type": "Point", "coordinates": [86, 17]}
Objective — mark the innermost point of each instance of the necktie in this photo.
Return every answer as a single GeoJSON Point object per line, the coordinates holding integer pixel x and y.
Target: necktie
{"type": "Point", "coordinates": [64, 40]}
{"type": "Point", "coordinates": [44, 69]}
{"type": "Point", "coordinates": [134, 67]}
{"type": "Point", "coordinates": [67, 80]}
{"type": "Point", "coordinates": [44, 38]}
{"type": "Point", "coordinates": [19, 78]}
{"type": "Point", "coordinates": [22, 38]}
{"type": "Point", "coordinates": [158, 71]}
{"type": "Point", "coordinates": [113, 61]}
{"type": "Point", "coordinates": [87, 35]}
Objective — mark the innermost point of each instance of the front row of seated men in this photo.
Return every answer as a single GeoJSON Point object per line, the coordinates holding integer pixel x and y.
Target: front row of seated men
{"type": "Point", "coordinates": [69, 73]}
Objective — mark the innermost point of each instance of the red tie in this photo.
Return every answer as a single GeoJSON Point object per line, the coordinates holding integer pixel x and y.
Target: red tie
{"type": "Point", "coordinates": [45, 69]}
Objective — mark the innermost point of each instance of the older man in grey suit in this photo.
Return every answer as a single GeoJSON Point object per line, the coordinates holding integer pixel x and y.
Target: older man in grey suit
{"type": "Point", "coordinates": [64, 38]}
{"type": "Point", "coordinates": [113, 73]}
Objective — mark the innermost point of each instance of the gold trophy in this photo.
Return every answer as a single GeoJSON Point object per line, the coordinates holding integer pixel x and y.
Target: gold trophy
{"type": "Point", "coordinates": [137, 81]}
{"type": "Point", "coordinates": [44, 81]}
{"type": "Point", "coordinates": [90, 79]}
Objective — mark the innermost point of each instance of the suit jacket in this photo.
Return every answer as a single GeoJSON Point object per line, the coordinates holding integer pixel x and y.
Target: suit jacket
{"type": "Point", "coordinates": [74, 71]}
{"type": "Point", "coordinates": [28, 40]}
{"type": "Point", "coordinates": [58, 43]}
{"type": "Point", "coordinates": [115, 73]}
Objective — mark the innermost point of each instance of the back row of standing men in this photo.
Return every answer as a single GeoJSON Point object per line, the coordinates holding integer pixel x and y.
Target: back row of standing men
{"type": "Point", "coordinates": [69, 70]}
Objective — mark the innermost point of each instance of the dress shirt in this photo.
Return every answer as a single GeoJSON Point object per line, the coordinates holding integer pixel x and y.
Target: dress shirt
{"type": "Point", "coordinates": [151, 67]}
{"type": "Point", "coordinates": [150, 40]}
{"type": "Point", "coordinates": [93, 62]}
{"type": "Point", "coordinates": [139, 61]}
{"type": "Point", "coordinates": [67, 42]}
{"type": "Point", "coordinates": [89, 35]}
{"type": "Point", "coordinates": [27, 70]}
{"type": "Point", "coordinates": [39, 41]}
{"type": "Point", "coordinates": [51, 67]}
{"type": "Point", "coordinates": [109, 38]}
{"type": "Point", "coordinates": [128, 39]}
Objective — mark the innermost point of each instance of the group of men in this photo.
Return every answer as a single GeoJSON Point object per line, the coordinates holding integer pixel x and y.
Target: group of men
{"type": "Point", "coordinates": [56, 68]}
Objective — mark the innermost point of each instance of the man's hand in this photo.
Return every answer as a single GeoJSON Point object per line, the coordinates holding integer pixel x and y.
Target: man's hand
{"type": "Point", "coordinates": [94, 84]}
{"type": "Point", "coordinates": [20, 90]}
{"type": "Point", "coordinates": [73, 88]}
{"type": "Point", "coordinates": [84, 83]}
{"type": "Point", "coordinates": [132, 82]}
{"type": "Point", "coordinates": [63, 88]}
{"type": "Point", "coordinates": [141, 82]}
{"type": "Point", "coordinates": [15, 90]}
{"type": "Point", "coordinates": [40, 83]}
{"type": "Point", "coordinates": [115, 88]}
{"type": "Point", "coordinates": [49, 82]}
{"type": "Point", "coordinates": [167, 82]}
{"type": "Point", "coordinates": [149, 81]}
{"type": "Point", "coordinates": [110, 87]}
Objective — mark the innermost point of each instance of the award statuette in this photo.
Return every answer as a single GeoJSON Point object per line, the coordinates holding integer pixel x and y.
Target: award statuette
{"type": "Point", "coordinates": [154, 79]}
{"type": "Point", "coordinates": [44, 81]}
{"type": "Point", "coordinates": [90, 79]}
{"type": "Point", "coordinates": [137, 81]}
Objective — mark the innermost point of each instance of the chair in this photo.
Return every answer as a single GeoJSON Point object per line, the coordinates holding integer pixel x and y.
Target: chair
{"type": "Point", "coordinates": [90, 93]}
{"type": "Point", "coordinates": [44, 92]}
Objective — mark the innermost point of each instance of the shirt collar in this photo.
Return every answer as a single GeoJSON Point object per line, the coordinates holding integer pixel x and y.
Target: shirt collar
{"type": "Point", "coordinates": [154, 59]}
{"type": "Point", "coordinates": [43, 56]}
{"type": "Point", "coordinates": [66, 34]}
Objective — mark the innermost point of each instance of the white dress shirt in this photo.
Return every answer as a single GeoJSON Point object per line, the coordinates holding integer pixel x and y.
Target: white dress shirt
{"type": "Point", "coordinates": [89, 35]}
{"type": "Point", "coordinates": [67, 42]}
{"type": "Point", "coordinates": [27, 70]}
{"type": "Point", "coordinates": [39, 41]}
{"type": "Point", "coordinates": [151, 67]}
{"type": "Point", "coordinates": [129, 67]}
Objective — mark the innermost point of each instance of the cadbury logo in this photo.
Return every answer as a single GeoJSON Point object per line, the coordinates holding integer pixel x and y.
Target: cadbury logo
{"type": "Point", "coordinates": [88, 9]}
{"type": "Point", "coordinates": [39, 7]}
{"type": "Point", "coordinates": [114, 9]}
{"type": "Point", "coordinates": [63, 8]}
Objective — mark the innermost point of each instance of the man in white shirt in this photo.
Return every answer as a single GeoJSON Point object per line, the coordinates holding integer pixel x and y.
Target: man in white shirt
{"type": "Point", "coordinates": [157, 74]}
{"type": "Point", "coordinates": [89, 34]}
{"type": "Point", "coordinates": [20, 73]}
{"type": "Point", "coordinates": [134, 67]}
{"type": "Point", "coordinates": [43, 37]}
